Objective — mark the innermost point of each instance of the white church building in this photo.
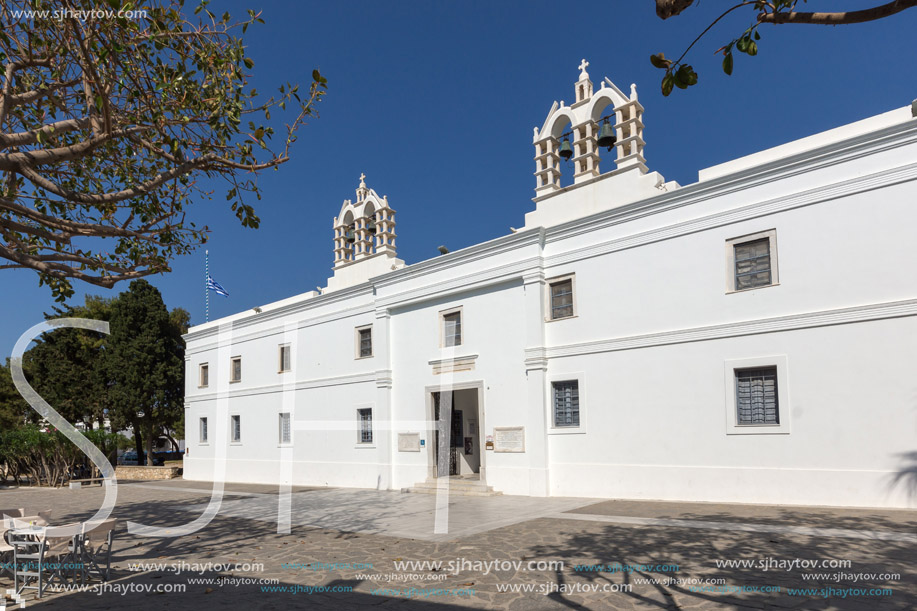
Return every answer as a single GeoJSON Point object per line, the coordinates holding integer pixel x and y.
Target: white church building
{"type": "Point", "coordinates": [750, 337]}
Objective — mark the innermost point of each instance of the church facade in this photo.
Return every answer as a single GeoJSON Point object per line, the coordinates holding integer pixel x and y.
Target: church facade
{"type": "Point", "coordinates": [751, 337]}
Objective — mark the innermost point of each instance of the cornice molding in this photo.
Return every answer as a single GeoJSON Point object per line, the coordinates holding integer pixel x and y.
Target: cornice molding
{"type": "Point", "coordinates": [846, 188]}
{"type": "Point", "coordinates": [536, 275]}
{"type": "Point", "coordinates": [359, 378]}
{"type": "Point", "coordinates": [807, 161]}
{"type": "Point", "coordinates": [280, 330]}
{"type": "Point", "coordinates": [310, 303]}
{"type": "Point", "coordinates": [476, 252]}
{"type": "Point", "coordinates": [384, 378]}
{"type": "Point", "coordinates": [808, 320]}
{"type": "Point", "coordinates": [508, 272]}
{"type": "Point", "coordinates": [536, 359]}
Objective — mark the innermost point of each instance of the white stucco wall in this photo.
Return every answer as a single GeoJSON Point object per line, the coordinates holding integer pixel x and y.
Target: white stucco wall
{"type": "Point", "coordinates": [654, 327]}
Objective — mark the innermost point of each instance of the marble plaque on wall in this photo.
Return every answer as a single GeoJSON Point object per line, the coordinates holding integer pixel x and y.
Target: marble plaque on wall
{"type": "Point", "coordinates": [409, 442]}
{"type": "Point", "coordinates": [509, 439]}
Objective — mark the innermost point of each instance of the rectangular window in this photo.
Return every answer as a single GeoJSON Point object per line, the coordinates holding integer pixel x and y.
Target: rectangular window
{"type": "Point", "coordinates": [756, 397]}
{"type": "Point", "coordinates": [751, 261]}
{"type": "Point", "coordinates": [365, 417]}
{"type": "Point", "coordinates": [452, 329]}
{"type": "Point", "coordinates": [284, 359]}
{"type": "Point", "coordinates": [756, 390]}
{"type": "Point", "coordinates": [561, 299]}
{"type": "Point", "coordinates": [236, 429]}
{"type": "Point", "coordinates": [235, 369]}
{"type": "Point", "coordinates": [364, 342]}
{"type": "Point", "coordinates": [285, 427]}
{"type": "Point", "coordinates": [566, 403]}
{"type": "Point", "coordinates": [204, 377]}
{"type": "Point", "coordinates": [753, 264]}
{"type": "Point", "coordinates": [203, 430]}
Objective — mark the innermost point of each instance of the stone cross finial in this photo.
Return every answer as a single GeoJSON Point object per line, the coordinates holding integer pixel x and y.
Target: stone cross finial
{"type": "Point", "coordinates": [582, 67]}
{"type": "Point", "coordinates": [362, 178]}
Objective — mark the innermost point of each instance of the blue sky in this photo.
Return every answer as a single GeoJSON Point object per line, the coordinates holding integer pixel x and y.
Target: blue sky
{"type": "Point", "coordinates": [436, 101]}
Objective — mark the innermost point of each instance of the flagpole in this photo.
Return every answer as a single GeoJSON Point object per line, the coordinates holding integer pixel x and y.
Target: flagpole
{"type": "Point", "coordinates": [206, 290]}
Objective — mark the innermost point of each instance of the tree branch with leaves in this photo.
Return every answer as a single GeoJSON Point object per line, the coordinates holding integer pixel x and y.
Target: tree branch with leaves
{"type": "Point", "coordinates": [681, 75]}
{"type": "Point", "coordinates": [109, 127]}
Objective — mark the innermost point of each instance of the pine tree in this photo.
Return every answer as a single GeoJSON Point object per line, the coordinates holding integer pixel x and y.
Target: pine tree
{"type": "Point", "coordinates": [145, 366]}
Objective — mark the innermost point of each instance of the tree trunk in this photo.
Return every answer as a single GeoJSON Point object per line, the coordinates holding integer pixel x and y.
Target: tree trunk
{"type": "Point", "coordinates": [149, 445]}
{"type": "Point", "coordinates": [138, 441]}
{"type": "Point", "coordinates": [173, 442]}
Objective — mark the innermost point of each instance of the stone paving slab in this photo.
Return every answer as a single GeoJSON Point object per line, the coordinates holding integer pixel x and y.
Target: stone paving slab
{"type": "Point", "coordinates": [832, 517]}
{"type": "Point", "coordinates": [397, 514]}
{"type": "Point", "coordinates": [615, 559]}
{"type": "Point", "coordinates": [207, 487]}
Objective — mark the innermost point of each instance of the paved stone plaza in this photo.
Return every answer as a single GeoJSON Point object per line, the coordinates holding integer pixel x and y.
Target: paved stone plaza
{"type": "Point", "coordinates": [347, 543]}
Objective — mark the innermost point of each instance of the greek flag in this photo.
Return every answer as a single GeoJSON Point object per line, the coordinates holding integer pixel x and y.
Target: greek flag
{"type": "Point", "coordinates": [214, 286]}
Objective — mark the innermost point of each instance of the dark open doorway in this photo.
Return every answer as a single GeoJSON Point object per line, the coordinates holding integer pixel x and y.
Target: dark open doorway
{"type": "Point", "coordinates": [460, 421]}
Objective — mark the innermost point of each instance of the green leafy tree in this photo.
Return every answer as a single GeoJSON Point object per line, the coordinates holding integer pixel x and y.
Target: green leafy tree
{"type": "Point", "coordinates": [144, 363]}
{"type": "Point", "coordinates": [48, 456]}
{"type": "Point", "coordinates": [108, 443]}
{"type": "Point", "coordinates": [774, 12]}
{"type": "Point", "coordinates": [14, 411]}
{"type": "Point", "coordinates": [86, 375]}
{"type": "Point", "coordinates": [110, 122]}
{"type": "Point", "coordinates": [65, 366]}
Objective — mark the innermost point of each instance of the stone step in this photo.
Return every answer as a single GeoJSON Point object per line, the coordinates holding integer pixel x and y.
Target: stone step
{"type": "Point", "coordinates": [453, 483]}
{"type": "Point", "coordinates": [457, 487]}
{"type": "Point", "coordinates": [453, 492]}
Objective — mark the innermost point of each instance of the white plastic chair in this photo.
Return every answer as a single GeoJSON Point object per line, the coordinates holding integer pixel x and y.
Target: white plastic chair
{"type": "Point", "coordinates": [95, 550]}
{"type": "Point", "coordinates": [39, 555]}
{"type": "Point", "coordinates": [6, 549]}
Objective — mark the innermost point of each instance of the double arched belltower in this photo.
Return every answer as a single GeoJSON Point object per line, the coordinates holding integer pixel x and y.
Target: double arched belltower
{"type": "Point", "coordinates": [573, 132]}
{"type": "Point", "coordinates": [364, 239]}
{"type": "Point", "coordinates": [363, 228]}
{"type": "Point", "coordinates": [599, 140]}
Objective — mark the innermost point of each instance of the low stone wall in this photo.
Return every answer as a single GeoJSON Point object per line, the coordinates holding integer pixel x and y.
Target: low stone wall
{"type": "Point", "coordinates": [127, 473]}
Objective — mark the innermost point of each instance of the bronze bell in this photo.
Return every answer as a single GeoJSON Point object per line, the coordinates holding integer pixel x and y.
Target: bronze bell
{"type": "Point", "coordinates": [349, 237]}
{"type": "Point", "coordinates": [371, 226]}
{"type": "Point", "coordinates": [566, 151]}
{"type": "Point", "coordinates": [607, 136]}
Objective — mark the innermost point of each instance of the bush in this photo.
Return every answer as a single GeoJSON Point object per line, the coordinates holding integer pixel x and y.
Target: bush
{"type": "Point", "coordinates": [48, 457]}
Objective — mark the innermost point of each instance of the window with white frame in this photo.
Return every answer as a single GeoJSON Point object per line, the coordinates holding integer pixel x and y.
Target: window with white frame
{"type": "Point", "coordinates": [365, 420]}
{"type": "Point", "coordinates": [451, 327]}
{"type": "Point", "coordinates": [235, 427]}
{"type": "Point", "coordinates": [203, 430]}
{"type": "Point", "coordinates": [751, 261]}
{"type": "Point", "coordinates": [561, 298]}
{"type": "Point", "coordinates": [284, 363]}
{"type": "Point", "coordinates": [203, 379]}
{"type": "Point", "coordinates": [235, 369]}
{"type": "Point", "coordinates": [757, 396]}
{"type": "Point", "coordinates": [565, 400]}
{"type": "Point", "coordinates": [364, 338]}
{"type": "Point", "coordinates": [285, 434]}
